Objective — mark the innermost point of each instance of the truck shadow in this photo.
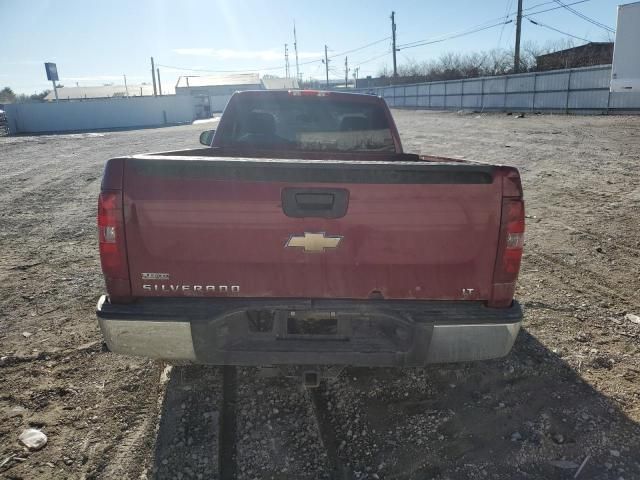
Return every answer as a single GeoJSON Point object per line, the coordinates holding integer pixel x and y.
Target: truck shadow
{"type": "Point", "coordinates": [186, 443]}
{"type": "Point", "coordinates": [529, 415]}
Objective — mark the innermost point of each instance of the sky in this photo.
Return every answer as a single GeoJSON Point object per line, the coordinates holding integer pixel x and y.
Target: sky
{"type": "Point", "coordinates": [96, 42]}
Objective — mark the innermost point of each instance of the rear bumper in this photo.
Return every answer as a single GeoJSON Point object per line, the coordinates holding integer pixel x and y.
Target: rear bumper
{"type": "Point", "coordinates": [264, 332]}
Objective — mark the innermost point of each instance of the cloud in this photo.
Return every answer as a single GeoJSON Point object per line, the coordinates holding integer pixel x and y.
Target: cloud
{"type": "Point", "coordinates": [231, 54]}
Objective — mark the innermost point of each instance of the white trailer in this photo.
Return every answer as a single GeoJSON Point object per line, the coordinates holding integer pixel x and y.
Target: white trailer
{"type": "Point", "coordinates": [625, 73]}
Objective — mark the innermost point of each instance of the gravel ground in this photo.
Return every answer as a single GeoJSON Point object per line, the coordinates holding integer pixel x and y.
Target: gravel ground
{"type": "Point", "coordinates": [277, 435]}
{"type": "Point", "coordinates": [569, 392]}
{"type": "Point", "coordinates": [186, 445]}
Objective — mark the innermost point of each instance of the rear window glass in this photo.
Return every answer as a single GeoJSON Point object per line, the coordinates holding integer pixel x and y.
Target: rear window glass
{"type": "Point", "coordinates": [306, 123]}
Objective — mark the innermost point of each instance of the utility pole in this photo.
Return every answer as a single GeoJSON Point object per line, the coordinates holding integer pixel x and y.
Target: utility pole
{"type": "Point", "coordinates": [295, 47]}
{"type": "Point", "coordinates": [326, 64]}
{"type": "Point", "coordinates": [125, 85]}
{"type": "Point", "coordinates": [159, 82]}
{"type": "Point", "coordinates": [355, 77]}
{"type": "Point", "coordinates": [516, 56]}
{"type": "Point", "coordinates": [393, 36]}
{"type": "Point", "coordinates": [153, 74]}
{"type": "Point", "coordinates": [346, 72]}
{"type": "Point", "coordinates": [286, 60]}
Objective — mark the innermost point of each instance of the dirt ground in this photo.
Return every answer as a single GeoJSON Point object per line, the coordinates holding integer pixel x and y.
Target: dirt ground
{"type": "Point", "coordinates": [567, 396]}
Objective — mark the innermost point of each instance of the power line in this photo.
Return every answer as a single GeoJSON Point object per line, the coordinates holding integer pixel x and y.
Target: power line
{"type": "Point", "coordinates": [539, 5]}
{"type": "Point", "coordinates": [554, 8]}
{"type": "Point", "coordinates": [373, 58]}
{"type": "Point", "coordinates": [462, 34]}
{"type": "Point", "coordinates": [540, 24]}
{"type": "Point", "coordinates": [280, 67]}
{"type": "Point", "coordinates": [251, 70]}
{"type": "Point", "coordinates": [584, 17]}
{"type": "Point", "coordinates": [444, 36]}
{"type": "Point", "coordinates": [359, 48]}
{"type": "Point", "coordinates": [367, 58]}
{"type": "Point", "coordinates": [506, 17]}
{"type": "Point", "coordinates": [478, 28]}
{"type": "Point", "coordinates": [503, 20]}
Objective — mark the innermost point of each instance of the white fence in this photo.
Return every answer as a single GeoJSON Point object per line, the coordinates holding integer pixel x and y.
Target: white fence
{"type": "Point", "coordinates": [576, 90]}
{"type": "Point", "coordinates": [579, 90]}
{"type": "Point", "coordinates": [112, 113]}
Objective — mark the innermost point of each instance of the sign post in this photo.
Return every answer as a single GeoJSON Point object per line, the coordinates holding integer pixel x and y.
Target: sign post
{"type": "Point", "coordinates": [52, 75]}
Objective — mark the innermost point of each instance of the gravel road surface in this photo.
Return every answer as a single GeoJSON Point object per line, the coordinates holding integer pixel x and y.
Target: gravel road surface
{"type": "Point", "coordinates": [567, 397]}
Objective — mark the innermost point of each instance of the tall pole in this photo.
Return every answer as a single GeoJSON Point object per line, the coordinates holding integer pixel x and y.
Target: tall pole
{"type": "Point", "coordinates": [55, 89]}
{"type": "Point", "coordinates": [355, 77]}
{"type": "Point", "coordinates": [159, 82]}
{"type": "Point", "coordinates": [393, 36]}
{"type": "Point", "coordinates": [346, 72]}
{"type": "Point", "coordinates": [286, 61]}
{"type": "Point", "coordinates": [125, 85]}
{"type": "Point", "coordinates": [295, 46]}
{"type": "Point", "coordinates": [326, 64]}
{"type": "Point", "coordinates": [153, 74]}
{"type": "Point", "coordinates": [516, 56]}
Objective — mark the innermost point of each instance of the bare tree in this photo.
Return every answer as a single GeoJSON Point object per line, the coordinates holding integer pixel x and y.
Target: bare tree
{"type": "Point", "coordinates": [472, 64]}
{"type": "Point", "coordinates": [7, 95]}
{"type": "Point", "coordinates": [499, 62]}
{"type": "Point", "coordinates": [452, 65]}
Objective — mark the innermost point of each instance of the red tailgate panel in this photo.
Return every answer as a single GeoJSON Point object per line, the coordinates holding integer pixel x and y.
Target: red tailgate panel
{"type": "Point", "coordinates": [403, 241]}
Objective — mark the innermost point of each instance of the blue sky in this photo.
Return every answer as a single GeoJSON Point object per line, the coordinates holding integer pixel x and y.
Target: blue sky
{"type": "Point", "coordinates": [95, 42]}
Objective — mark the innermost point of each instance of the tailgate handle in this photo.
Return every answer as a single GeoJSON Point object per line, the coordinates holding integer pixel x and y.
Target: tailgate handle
{"type": "Point", "coordinates": [315, 202]}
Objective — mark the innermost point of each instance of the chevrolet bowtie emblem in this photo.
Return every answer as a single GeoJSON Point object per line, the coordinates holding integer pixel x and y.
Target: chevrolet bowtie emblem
{"type": "Point", "coordinates": [313, 242]}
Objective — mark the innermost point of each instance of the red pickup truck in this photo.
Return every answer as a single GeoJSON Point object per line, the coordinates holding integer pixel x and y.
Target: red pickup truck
{"type": "Point", "coordinates": [302, 234]}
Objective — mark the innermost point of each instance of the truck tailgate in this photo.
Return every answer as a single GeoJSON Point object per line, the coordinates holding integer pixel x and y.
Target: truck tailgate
{"type": "Point", "coordinates": [220, 227]}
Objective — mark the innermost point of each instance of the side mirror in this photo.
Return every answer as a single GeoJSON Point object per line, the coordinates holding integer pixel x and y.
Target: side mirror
{"type": "Point", "coordinates": [206, 137]}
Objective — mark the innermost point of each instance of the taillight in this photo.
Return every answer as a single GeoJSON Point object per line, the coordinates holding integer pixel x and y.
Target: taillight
{"type": "Point", "coordinates": [509, 256]}
{"type": "Point", "coordinates": [111, 236]}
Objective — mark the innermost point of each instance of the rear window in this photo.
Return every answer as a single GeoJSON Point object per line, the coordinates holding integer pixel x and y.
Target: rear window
{"type": "Point", "coordinates": [305, 123]}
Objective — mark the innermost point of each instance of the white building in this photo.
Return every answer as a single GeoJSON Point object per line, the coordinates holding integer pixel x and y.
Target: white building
{"type": "Point", "coordinates": [211, 93]}
{"type": "Point", "coordinates": [105, 91]}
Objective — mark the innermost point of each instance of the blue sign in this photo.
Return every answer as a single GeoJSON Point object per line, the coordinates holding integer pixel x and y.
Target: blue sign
{"type": "Point", "coordinates": [52, 71]}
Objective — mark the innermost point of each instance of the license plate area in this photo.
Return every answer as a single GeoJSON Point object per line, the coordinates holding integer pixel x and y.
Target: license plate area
{"type": "Point", "coordinates": [312, 330]}
{"type": "Point", "coordinates": [314, 325]}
